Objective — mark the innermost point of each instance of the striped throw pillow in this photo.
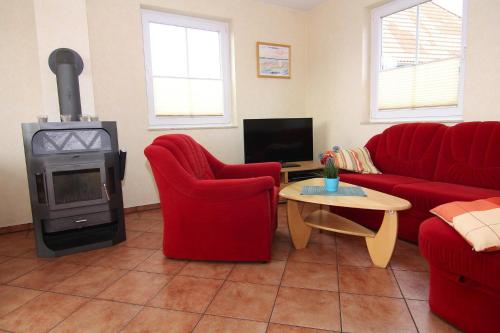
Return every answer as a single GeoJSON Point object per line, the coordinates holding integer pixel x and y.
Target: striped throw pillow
{"type": "Point", "coordinates": [476, 221]}
{"type": "Point", "coordinates": [355, 160]}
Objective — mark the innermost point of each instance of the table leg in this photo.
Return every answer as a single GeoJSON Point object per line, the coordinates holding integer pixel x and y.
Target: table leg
{"type": "Point", "coordinates": [382, 245]}
{"type": "Point", "coordinates": [299, 231]}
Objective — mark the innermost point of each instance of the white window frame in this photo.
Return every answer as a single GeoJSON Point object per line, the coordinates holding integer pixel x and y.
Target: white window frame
{"type": "Point", "coordinates": [170, 122]}
{"type": "Point", "coordinates": [438, 114]}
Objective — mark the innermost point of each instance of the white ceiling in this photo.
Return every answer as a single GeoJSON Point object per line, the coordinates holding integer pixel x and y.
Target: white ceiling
{"type": "Point", "coordinates": [297, 4]}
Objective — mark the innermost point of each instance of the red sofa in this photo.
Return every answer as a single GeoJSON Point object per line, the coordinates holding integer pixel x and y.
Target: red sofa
{"type": "Point", "coordinates": [431, 164]}
{"type": "Point", "coordinates": [213, 211]}
{"type": "Point", "coordinates": [464, 285]}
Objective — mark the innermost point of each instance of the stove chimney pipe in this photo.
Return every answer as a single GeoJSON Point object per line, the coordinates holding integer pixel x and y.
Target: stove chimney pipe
{"type": "Point", "coordinates": [67, 64]}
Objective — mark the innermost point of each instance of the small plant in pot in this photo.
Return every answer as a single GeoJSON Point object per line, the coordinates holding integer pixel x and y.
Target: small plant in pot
{"type": "Point", "coordinates": [331, 174]}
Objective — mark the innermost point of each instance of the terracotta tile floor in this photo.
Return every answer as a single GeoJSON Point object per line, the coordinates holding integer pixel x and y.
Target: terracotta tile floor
{"type": "Point", "coordinates": [330, 286]}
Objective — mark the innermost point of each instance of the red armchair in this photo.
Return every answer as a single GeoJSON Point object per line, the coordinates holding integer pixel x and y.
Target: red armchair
{"type": "Point", "coordinates": [213, 211]}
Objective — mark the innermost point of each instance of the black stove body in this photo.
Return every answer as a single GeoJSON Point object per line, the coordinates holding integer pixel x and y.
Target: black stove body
{"type": "Point", "coordinates": [74, 175]}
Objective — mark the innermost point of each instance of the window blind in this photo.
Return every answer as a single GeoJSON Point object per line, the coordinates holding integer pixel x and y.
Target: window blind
{"type": "Point", "coordinates": [420, 58]}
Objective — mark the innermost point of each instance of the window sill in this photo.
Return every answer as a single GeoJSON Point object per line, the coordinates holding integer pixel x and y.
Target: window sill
{"type": "Point", "coordinates": [405, 121]}
{"type": "Point", "coordinates": [189, 127]}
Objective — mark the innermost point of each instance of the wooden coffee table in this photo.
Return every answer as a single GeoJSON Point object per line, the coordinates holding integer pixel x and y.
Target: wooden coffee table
{"type": "Point", "coordinates": [380, 244]}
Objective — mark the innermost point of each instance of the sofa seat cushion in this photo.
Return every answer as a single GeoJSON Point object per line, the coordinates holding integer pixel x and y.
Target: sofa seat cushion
{"type": "Point", "coordinates": [408, 220]}
{"type": "Point", "coordinates": [444, 248]}
{"type": "Point", "coordinates": [425, 196]}
{"type": "Point", "coordinates": [382, 182]}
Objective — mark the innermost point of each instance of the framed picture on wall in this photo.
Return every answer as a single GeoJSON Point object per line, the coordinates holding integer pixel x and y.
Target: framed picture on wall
{"type": "Point", "coordinates": [273, 60]}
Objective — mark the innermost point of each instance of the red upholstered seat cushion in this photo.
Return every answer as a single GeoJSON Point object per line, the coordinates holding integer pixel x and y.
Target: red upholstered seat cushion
{"type": "Point", "coordinates": [470, 155]}
{"type": "Point", "coordinates": [383, 182]}
{"type": "Point", "coordinates": [427, 195]}
{"type": "Point", "coordinates": [409, 220]}
{"type": "Point", "coordinates": [407, 149]}
{"type": "Point", "coordinates": [446, 249]}
{"type": "Point", "coordinates": [408, 230]}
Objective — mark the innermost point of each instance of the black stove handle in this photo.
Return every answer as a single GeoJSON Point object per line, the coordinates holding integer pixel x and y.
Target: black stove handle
{"type": "Point", "coordinates": [122, 157]}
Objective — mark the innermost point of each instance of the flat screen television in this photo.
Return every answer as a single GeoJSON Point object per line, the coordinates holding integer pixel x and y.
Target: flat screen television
{"type": "Point", "coordinates": [278, 140]}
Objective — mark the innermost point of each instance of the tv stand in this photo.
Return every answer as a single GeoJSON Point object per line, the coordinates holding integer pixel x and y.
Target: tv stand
{"type": "Point", "coordinates": [298, 167]}
{"type": "Point", "coordinates": [290, 165]}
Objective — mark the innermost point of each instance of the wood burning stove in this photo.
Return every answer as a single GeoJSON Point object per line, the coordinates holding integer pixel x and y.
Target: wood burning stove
{"type": "Point", "coordinates": [74, 174]}
{"type": "Point", "coordinates": [75, 170]}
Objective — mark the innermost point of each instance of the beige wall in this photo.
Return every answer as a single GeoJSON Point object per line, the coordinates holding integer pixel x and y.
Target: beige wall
{"type": "Point", "coordinates": [119, 80]}
{"type": "Point", "coordinates": [482, 67]}
{"type": "Point", "coordinates": [115, 66]}
{"type": "Point", "coordinates": [62, 23]}
{"type": "Point", "coordinates": [329, 67]}
{"type": "Point", "coordinates": [29, 31]}
{"type": "Point", "coordinates": [338, 71]}
{"type": "Point", "coordinates": [20, 100]}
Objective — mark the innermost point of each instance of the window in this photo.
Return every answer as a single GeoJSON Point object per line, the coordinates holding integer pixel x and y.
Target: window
{"type": "Point", "coordinates": [417, 60]}
{"type": "Point", "coordinates": [187, 71]}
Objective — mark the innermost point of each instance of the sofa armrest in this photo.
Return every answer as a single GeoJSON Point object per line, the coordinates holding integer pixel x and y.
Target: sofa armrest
{"type": "Point", "coordinates": [236, 171]}
{"type": "Point", "coordinates": [228, 189]}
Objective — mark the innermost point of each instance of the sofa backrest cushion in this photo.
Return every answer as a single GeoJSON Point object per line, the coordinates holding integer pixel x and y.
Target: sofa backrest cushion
{"type": "Point", "coordinates": [188, 153]}
{"type": "Point", "coordinates": [407, 149]}
{"type": "Point", "coordinates": [470, 155]}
